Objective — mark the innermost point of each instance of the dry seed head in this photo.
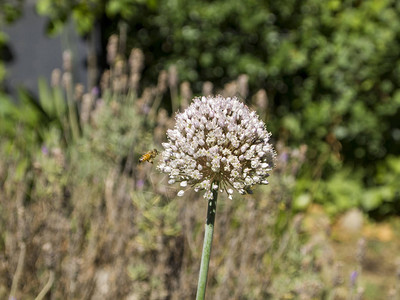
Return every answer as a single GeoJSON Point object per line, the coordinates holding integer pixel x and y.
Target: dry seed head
{"type": "Point", "coordinates": [136, 61]}
{"type": "Point", "coordinates": [162, 82]}
{"type": "Point", "coordinates": [243, 85]}
{"type": "Point", "coordinates": [105, 80]}
{"type": "Point", "coordinates": [261, 100]}
{"type": "Point", "coordinates": [173, 76]}
{"type": "Point", "coordinates": [67, 80]}
{"type": "Point", "coordinates": [186, 94]}
{"type": "Point", "coordinates": [55, 77]}
{"type": "Point", "coordinates": [207, 88]}
{"type": "Point", "coordinates": [67, 61]}
{"type": "Point", "coordinates": [78, 92]}
{"type": "Point", "coordinates": [119, 68]}
{"type": "Point", "coordinates": [134, 81]}
{"type": "Point", "coordinates": [87, 101]}
{"type": "Point", "coordinates": [112, 49]}
{"type": "Point", "coordinates": [230, 89]}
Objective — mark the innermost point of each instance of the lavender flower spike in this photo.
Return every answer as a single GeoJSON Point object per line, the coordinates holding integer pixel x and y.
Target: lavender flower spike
{"type": "Point", "coordinates": [218, 139]}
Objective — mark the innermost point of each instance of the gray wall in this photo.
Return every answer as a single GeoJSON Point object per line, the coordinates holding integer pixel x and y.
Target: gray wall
{"type": "Point", "coordinates": [35, 55]}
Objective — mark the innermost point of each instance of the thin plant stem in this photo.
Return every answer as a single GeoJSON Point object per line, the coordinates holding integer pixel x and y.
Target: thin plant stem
{"type": "Point", "coordinates": [21, 236]}
{"type": "Point", "coordinates": [47, 287]}
{"type": "Point", "coordinates": [72, 111]}
{"type": "Point", "coordinates": [18, 272]}
{"type": "Point", "coordinates": [208, 236]}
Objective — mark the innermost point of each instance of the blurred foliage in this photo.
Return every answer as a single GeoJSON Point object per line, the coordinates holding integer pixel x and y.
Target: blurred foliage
{"type": "Point", "coordinates": [85, 14]}
{"type": "Point", "coordinates": [345, 189]}
{"type": "Point", "coordinates": [10, 11]}
{"type": "Point", "coordinates": [73, 193]}
{"type": "Point", "coordinates": [28, 122]}
{"type": "Point", "coordinates": [331, 69]}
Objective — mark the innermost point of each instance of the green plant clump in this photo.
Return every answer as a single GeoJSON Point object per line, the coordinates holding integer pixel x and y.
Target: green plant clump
{"type": "Point", "coordinates": [331, 69]}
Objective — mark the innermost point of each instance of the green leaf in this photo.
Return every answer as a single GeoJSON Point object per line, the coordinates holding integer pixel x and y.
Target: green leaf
{"type": "Point", "coordinates": [45, 97]}
{"type": "Point", "coordinates": [302, 201]}
{"type": "Point", "coordinates": [371, 199]}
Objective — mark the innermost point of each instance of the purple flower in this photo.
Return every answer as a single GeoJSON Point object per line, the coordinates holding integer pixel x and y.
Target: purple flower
{"type": "Point", "coordinates": [45, 150]}
{"type": "Point", "coordinates": [140, 184]}
{"type": "Point", "coordinates": [95, 91]}
{"type": "Point", "coordinates": [353, 278]}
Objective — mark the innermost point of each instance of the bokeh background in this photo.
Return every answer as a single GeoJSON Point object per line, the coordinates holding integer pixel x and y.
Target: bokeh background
{"type": "Point", "coordinates": [87, 87]}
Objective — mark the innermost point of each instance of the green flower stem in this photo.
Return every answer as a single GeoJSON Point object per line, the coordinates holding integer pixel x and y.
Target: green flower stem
{"type": "Point", "coordinates": [208, 236]}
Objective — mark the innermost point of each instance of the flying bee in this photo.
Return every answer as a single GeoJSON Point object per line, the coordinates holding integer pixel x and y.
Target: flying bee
{"type": "Point", "coordinates": [149, 156]}
{"type": "Point", "coordinates": [246, 191]}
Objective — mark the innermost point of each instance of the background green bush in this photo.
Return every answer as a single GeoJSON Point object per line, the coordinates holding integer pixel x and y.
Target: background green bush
{"type": "Point", "coordinates": [331, 69]}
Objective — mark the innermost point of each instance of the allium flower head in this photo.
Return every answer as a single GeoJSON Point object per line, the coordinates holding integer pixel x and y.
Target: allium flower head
{"type": "Point", "coordinates": [217, 140]}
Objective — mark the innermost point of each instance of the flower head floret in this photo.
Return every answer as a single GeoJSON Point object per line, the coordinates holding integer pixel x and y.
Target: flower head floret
{"type": "Point", "coordinates": [218, 139]}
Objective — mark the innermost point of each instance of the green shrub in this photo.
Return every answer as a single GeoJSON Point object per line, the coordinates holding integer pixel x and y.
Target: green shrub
{"type": "Point", "coordinates": [331, 69]}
